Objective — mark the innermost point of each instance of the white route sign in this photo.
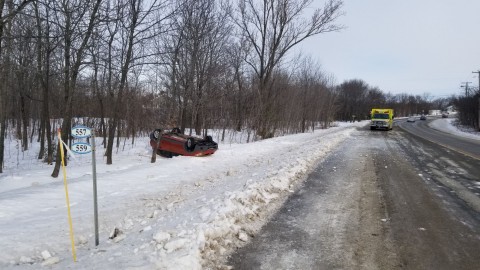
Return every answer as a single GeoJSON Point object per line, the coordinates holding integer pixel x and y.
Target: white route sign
{"type": "Point", "coordinates": [81, 132]}
{"type": "Point", "coordinates": [81, 148]}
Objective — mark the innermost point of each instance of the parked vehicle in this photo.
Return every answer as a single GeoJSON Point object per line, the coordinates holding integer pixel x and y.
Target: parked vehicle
{"type": "Point", "coordinates": [381, 119]}
{"type": "Point", "coordinates": [176, 143]}
{"type": "Point", "coordinates": [411, 119]}
{"type": "Point", "coordinates": [444, 115]}
{"type": "Point", "coordinates": [423, 117]}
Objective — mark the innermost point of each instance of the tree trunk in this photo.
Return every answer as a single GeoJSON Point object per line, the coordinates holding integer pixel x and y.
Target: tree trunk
{"type": "Point", "coordinates": [154, 149]}
{"type": "Point", "coordinates": [103, 125]}
{"type": "Point", "coordinates": [34, 125]}
{"type": "Point", "coordinates": [119, 128]}
{"type": "Point", "coordinates": [64, 135]}
{"type": "Point", "coordinates": [3, 129]}
{"type": "Point", "coordinates": [24, 123]}
{"type": "Point", "coordinates": [41, 137]}
{"type": "Point", "coordinates": [183, 117]}
{"type": "Point", "coordinates": [198, 124]}
{"type": "Point", "coordinates": [48, 129]}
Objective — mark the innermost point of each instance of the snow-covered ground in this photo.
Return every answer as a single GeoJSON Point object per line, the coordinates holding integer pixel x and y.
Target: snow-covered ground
{"type": "Point", "coordinates": [179, 213]}
{"type": "Point", "coordinates": [447, 125]}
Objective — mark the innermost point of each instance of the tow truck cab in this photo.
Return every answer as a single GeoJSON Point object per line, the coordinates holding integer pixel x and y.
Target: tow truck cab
{"type": "Point", "coordinates": [381, 119]}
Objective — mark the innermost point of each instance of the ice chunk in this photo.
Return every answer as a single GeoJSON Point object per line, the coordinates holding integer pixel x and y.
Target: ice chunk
{"type": "Point", "coordinates": [160, 237]}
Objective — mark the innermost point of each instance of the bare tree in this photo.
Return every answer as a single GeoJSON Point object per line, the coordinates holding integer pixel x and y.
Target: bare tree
{"type": "Point", "coordinates": [6, 17]}
{"type": "Point", "coordinates": [272, 28]}
{"type": "Point", "coordinates": [76, 35]}
{"type": "Point", "coordinates": [45, 46]}
{"type": "Point", "coordinates": [310, 80]}
{"type": "Point", "coordinates": [23, 84]}
{"type": "Point", "coordinates": [353, 100]}
{"type": "Point", "coordinates": [135, 32]}
{"type": "Point", "coordinates": [326, 107]}
{"type": "Point", "coordinates": [239, 106]}
{"type": "Point", "coordinates": [197, 45]}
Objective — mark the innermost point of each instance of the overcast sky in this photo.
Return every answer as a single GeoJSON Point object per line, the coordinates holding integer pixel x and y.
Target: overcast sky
{"type": "Point", "coordinates": [404, 46]}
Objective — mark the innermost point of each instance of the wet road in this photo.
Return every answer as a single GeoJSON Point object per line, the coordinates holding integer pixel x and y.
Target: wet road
{"type": "Point", "coordinates": [383, 200]}
{"type": "Point", "coordinates": [421, 129]}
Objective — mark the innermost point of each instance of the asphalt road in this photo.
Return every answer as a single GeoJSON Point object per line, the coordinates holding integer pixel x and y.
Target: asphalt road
{"type": "Point", "coordinates": [421, 129]}
{"type": "Point", "coordinates": [383, 200]}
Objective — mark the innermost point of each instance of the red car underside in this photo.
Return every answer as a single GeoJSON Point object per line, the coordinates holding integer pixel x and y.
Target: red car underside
{"type": "Point", "coordinates": [176, 144]}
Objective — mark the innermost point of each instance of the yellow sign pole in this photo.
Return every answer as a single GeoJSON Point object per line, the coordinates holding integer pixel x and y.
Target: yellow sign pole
{"type": "Point", "coordinates": [60, 142]}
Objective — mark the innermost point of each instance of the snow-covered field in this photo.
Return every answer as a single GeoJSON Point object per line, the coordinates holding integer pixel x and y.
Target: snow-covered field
{"type": "Point", "coordinates": [179, 213]}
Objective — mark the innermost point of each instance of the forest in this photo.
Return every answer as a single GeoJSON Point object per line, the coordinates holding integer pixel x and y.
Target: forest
{"type": "Point", "coordinates": [126, 67]}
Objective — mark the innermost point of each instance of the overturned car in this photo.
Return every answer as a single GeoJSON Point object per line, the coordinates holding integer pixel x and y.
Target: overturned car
{"type": "Point", "coordinates": [175, 143]}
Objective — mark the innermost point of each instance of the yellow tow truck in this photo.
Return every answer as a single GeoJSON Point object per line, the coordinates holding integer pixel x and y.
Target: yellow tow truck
{"type": "Point", "coordinates": [381, 119]}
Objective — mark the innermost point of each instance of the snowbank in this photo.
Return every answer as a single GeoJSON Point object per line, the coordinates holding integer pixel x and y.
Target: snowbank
{"type": "Point", "coordinates": [448, 125]}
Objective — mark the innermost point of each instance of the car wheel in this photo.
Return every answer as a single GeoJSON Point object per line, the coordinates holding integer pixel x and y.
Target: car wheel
{"type": "Point", "coordinates": [155, 134]}
{"type": "Point", "coordinates": [190, 144]}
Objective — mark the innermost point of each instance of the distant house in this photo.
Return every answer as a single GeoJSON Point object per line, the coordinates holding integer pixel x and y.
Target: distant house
{"type": "Point", "coordinates": [434, 112]}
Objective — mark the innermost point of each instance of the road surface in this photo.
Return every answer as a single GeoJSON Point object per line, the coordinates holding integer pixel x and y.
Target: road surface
{"type": "Point", "coordinates": [463, 145]}
{"type": "Point", "coordinates": [383, 200]}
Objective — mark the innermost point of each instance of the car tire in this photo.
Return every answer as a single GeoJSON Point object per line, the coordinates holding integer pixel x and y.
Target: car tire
{"type": "Point", "coordinates": [155, 134]}
{"type": "Point", "coordinates": [190, 144]}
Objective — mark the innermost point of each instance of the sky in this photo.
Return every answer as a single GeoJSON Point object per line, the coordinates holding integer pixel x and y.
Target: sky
{"type": "Point", "coordinates": [172, 214]}
{"type": "Point", "coordinates": [403, 46]}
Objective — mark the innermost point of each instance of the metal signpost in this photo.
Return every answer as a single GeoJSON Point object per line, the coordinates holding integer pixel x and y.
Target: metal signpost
{"type": "Point", "coordinates": [85, 148]}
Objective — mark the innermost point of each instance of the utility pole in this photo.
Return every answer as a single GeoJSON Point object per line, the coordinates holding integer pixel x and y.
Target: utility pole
{"type": "Point", "coordinates": [478, 72]}
{"type": "Point", "coordinates": [466, 88]}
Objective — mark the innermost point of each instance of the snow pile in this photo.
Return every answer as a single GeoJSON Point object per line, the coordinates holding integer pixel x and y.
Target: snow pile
{"type": "Point", "coordinates": [238, 214]}
{"type": "Point", "coordinates": [179, 213]}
